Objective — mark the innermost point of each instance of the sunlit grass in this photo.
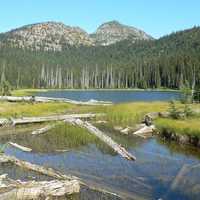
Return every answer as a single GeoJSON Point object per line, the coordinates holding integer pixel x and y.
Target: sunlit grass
{"type": "Point", "coordinates": [132, 113]}
{"type": "Point", "coordinates": [26, 92]}
{"type": "Point", "coordinates": [27, 109]}
{"type": "Point", "coordinates": [184, 126]}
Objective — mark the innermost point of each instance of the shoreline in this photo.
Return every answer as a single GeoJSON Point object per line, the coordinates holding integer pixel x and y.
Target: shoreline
{"type": "Point", "coordinates": [31, 91]}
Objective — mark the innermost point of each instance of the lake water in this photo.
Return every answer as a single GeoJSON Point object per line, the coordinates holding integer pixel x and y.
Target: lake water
{"type": "Point", "coordinates": [154, 175]}
{"type": "Point", "coordinates": [115, 96]}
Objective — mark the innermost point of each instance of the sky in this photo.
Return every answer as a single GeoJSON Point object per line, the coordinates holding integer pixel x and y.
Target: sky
{"type": "Point", "coordinates": [155, 17]}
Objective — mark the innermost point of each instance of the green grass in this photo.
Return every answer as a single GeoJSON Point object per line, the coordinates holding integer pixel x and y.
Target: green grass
{"type": "Point", "coordinates": [129, 114]}
{"type": "Point", "coordinates": [26, 92]}
{"type": "Point", "coordinates": [23, 109]}
{"type": "Point", "coordinates": [185, 126]}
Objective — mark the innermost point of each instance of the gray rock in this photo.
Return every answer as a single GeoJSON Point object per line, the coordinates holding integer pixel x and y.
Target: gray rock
{"type": "Point", "coordinates": [113, 31]}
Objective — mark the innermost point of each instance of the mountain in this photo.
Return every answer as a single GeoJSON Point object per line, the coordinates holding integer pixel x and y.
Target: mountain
{"type": "Point", "coordinates": [53, 36]}
{"type": "Point", "coordinates": [48, 36]}
{"type": "Point", "coordinates": [113, 31]}
{"type": "Point", "coordinates": [168, 62]}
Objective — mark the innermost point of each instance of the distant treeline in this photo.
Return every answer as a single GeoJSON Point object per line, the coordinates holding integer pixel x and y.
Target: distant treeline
{"type": "Point", "coordinates": [171, 62]}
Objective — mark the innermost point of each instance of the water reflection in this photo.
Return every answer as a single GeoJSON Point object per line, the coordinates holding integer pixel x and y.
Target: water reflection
{"type": "Point", "coordinates": [154, 175]}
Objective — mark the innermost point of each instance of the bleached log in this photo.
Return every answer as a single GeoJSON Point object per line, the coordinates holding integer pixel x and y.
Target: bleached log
{"type": "Point", "coordinates": [92, 129]}
{"type": "Point", "coordinates": [90, 102]}
{"type": "Point", "coordinates": [44, 129]}
{"type": "Point", "coordinates": [37, 168]}
{"type": "Point", "coordinates": [27, 120]}
{"type": "Point", "coordinates": [45, 171]}
{"type": "Point", "coordinates": [145, 132]}
{"type": "Point", "coordinates": [51, 99]}
{"type": "Point", "coordinates": [32, 190]}
{"type": "Point", "coordinates": [20, 147]}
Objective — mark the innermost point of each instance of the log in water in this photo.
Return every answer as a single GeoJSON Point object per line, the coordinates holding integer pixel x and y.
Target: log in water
{"type": "Point", "coordinates": [92, 129]}
{"type": "Point", "coordinates": [33, 190]}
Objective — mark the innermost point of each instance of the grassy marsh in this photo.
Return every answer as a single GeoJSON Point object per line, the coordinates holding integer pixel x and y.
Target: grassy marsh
{"type": "Point", "coordinates": [184, 126]}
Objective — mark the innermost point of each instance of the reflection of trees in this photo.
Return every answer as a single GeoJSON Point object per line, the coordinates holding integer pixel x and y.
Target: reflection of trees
{"type": "Point", "coordinates": [63, 137]}
{"type": "Point", "coordinates": [186, 150]}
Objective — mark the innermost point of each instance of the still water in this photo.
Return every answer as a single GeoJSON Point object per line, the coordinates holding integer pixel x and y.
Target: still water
{"type": "Point", "coordinates": [158, 172]}
{"type": "Point", "coordinates": [115, 96]}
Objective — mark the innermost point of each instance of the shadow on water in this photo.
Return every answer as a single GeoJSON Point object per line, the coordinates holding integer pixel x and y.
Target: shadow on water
{"type": "Point", "coordinates": [154, 175]}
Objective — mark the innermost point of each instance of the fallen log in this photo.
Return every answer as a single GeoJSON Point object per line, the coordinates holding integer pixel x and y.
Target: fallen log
{"type": "Point", "coordinates": [92, 129]}
{"type": "Point", "coordinates": [47, 171]}
{"type": "Point", "coordinates": [90, 102]}
{"type": "Point", "coordinates": [27, 120]}
{"type": "Point", "coordinates": [37, 168]}
{"type": "Point", "coordinates": [51, 99]}
{"type": "Point", "coordinates": [44, 129]}
{"type": "Point", "coordinates": [26, 149]}
{"type": "Point", "coordinates": [32, 190]}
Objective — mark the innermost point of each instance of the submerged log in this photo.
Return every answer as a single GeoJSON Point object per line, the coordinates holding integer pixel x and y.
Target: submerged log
{"type": "Point", "coordinates": [27, 120]}
{"type": "Point", "coordinates": [179, 177]}
{"type": "Point", "coordinates": [20, 147]}
{"type": "Point", "coordinates": [48, 172]}
{"type": "Point", "coordinates": [32, 190]}
{"type": "Point", "coordinates": [51, 99]}
{"type": "Point", "coordinates": [92, 129]}
{"type": "Point", "coordinates": [37, 168]}
{"type": "Point", "coordinates": [44, 129]}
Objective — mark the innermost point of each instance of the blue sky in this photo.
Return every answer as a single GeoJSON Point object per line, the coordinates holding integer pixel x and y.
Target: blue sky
{"type": "Point", "coordinates": [156, 17]}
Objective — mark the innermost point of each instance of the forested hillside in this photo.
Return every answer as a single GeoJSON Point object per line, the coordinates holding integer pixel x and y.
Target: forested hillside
{"type": "Point", "coordinates": [171, 62]}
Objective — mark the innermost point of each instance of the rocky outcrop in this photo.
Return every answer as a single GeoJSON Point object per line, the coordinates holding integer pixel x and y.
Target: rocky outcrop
{"type": "Point", "coordinates": [48, 36]}
{"type": "Point", "coordinates": [112, 32]}
{"type": "Point", "coordinates": [53, 36]}
{"type": "Point", "coordinates": [180, 138]}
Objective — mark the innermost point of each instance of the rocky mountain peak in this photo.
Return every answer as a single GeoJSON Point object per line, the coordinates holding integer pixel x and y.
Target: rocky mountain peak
{"type": "Point", "coordinates": [48, 36]}
{"type": "Point", "coordinates": [113, 31]}
{"type": "Point", "coordinates": [56, 36]}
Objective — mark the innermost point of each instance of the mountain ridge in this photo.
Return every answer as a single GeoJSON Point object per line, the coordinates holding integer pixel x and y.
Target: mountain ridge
{"type": "Point", "coordinates": [56, 36]}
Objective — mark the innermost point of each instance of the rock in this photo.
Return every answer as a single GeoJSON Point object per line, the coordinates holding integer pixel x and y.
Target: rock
{"type": "Point", "coordinates": [148, 118]}
{"type": "Point", "coordinates": [126, 130]}
{"type": "Point", "coordinates": [47, 36]}
{"type": "Point", "coordinates": [145, 132]}
{"type": "Point", "coordinates": [118, 128]}
{"type": "Point", "coordinates": [113, 31]}
{"type": "Point", "coordinates": [139, 126]}
{"type": "Point", "coordinates": [183, 139]}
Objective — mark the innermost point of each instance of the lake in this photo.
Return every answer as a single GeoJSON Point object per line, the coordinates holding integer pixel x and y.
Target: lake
{"type": "Point", "coordinates": [158, 172]}
{"type": "Point", "coordinates": [115, 96]}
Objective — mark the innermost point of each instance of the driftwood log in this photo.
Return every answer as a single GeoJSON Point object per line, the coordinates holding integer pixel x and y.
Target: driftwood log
{"type": "Point", "coordinates": [44, 129]}
{"type": "Point", "coordinates": [92, 129]}
{"type": "Point", "coordinates": [26, 149]}
{"type": "Point", "coordinates": [37, 168]}
{"type": "Point", "coordinates": [27, 120]}
{"type": "Point", "coordinates": [50, 99]}
{"type": "Point", "coordinates": [32, 190]}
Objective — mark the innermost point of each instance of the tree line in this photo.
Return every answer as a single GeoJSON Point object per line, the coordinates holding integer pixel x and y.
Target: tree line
{"type": "Point", "coordinates": [170, 62]}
